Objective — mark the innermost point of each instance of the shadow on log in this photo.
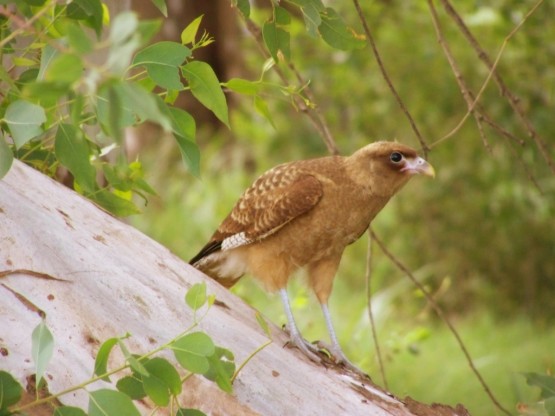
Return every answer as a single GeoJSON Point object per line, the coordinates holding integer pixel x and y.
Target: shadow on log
{"type": "Point", "coordinates": [93, 277]}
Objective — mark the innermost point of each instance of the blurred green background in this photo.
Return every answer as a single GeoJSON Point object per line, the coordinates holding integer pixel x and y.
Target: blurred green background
{"type": "Point", "coordinates": [480, 237]}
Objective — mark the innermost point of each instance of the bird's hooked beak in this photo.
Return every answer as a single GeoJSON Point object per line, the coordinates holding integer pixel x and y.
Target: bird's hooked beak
{"type": "Point", "coordinates": [418, 165]}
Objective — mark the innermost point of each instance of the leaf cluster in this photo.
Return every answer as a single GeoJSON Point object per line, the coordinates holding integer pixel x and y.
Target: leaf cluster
{"type": "Point", "coordinates": [546, 404]}
{"type": "Point", "coordinates": [148, 376]}
{"type": "Point", "coordinates": [73, 78]}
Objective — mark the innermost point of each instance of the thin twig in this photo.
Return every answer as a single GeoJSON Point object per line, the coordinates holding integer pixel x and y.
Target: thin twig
{"type": "Point", "coordinates": [313, 113]}
{"type": "Point", "coordinates": [21, 24]}
{"type": "Point", "coordinates": [368, 279]}
{"type": "Point", "coordinates": [372, 43]}
{"type": "Point", "coordinates": [484, 57]}
{"type": "Point", "coordinates": [318, 118]}
{"type": "Point", "coordinates": [442, 316]}
{"type": "Point", "coordinates": [465, 91]}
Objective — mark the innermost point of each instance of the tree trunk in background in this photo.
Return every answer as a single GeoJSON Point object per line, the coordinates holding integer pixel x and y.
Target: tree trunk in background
{"type": "Point", "coordinates": [223, 55]}
{"type": "Point", "coordinates": [94, 277]}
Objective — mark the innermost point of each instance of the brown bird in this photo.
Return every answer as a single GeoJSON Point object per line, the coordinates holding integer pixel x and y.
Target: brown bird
{"type": "Point", "coordinates": [304, 214]}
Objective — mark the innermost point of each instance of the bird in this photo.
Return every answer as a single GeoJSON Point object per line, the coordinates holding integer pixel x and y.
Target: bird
{"type": "Point", "coordinates": [302, 215]}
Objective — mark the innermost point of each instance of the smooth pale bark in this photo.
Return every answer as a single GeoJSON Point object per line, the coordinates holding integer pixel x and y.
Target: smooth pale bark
{"type": "Point", "coordinates": [94, 277]}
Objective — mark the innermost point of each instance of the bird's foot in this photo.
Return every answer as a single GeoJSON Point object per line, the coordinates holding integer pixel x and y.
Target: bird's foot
{"type": "Point", "coordinates": [339, 358]}
{"type": "Point", "coordinates": [308, 349]}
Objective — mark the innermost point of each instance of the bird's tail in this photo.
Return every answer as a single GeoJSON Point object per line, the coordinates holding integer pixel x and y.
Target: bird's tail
{"type": "Point", "coordinates": [223, 266]}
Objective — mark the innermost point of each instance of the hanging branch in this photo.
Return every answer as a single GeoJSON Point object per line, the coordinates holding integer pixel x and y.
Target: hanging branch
{"type": "Point", "coordinates": [313, 114]}
{"type": "Point", "coordinates": [442, 316]}
{"type": "Point", "coordinates": [505, 92]}
{"type": "Point", "coordinates": [465, 91]}
{"type": "Point", "coordinates": [472, 103]}
{"type": "Point", "coordinates": [372, 43]}
{"type": "Point", "coordinates": [368, 279]}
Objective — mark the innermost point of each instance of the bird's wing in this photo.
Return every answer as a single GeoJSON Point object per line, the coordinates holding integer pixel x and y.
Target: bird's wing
{"type": "Point", "coordinates": [273, 200]}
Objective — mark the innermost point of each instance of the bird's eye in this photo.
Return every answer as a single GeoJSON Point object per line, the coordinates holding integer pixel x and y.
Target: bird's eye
{"type": "Point", "coordinates": [395, 157]}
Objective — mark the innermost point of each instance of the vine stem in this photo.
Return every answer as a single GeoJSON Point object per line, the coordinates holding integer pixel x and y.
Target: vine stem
{"type": "Point", "coordinates": [107, 374]}
{"type": "Point", "coordinates": [250, 357]}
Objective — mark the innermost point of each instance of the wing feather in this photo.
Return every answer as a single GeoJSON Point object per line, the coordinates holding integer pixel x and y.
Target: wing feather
{"type": "Point", "coordinates": [273, 200]}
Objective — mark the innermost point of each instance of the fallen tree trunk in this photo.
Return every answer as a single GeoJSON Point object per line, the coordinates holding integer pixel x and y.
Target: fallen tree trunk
{"type": "Point", "coordinates": [93, 277]}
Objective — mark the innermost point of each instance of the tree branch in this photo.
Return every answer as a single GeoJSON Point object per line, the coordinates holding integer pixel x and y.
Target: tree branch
{"type": "Point", "coordinates": [313, 114]}
{"type": "Point", "coordinates": [443, 317]}
{"type": "Point", "coordinates": [372, 43]}
{"type": "Point", "coordinates": [368, 279]}
{"type": "Point", "coordinates": [504, 90]}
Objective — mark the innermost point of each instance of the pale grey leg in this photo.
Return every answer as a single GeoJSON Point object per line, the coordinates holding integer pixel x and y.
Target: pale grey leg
{"type": "Point", "coordinates": [335, 348]}
{"type": "Point", "coordinates": [294, 335]}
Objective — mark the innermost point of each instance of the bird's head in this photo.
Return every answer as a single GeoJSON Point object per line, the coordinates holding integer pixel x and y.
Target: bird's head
{"type": "Point", "coordinates": [385, 167]}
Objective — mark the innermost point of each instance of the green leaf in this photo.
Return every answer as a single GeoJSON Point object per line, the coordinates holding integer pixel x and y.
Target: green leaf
{"type": "Point", "coordinates": [184, 129]}
{"type": "Point", "coordinates": [64, 69]}
{"type": "Point", "coordinates": [10, 390]}
{"type": "Point", "coordinates": [148, 28]}
{"type": "Point", "coordinates": [90, 11]}
{"type": "Point", "coordinates": [24, 120]}
{"type": "Point", "coordinates": [190, 154]}
{"type": "Point", "coordinates": [222, 368]}
{"type": "Point", "coordinates": [42, 348]}
{"type": "Point", "coordinates": [549, 405]}
{"type": "Point", "coordinates": [205, 87]}
{"type": "Point", "coordinates": [168, 53]}
{"type": "Point", "coordinates": [183, 124]}
{"type": "Point", "coordinates": [196, 296]}
{"type": "Point", "coordinates": [124, 40]}
{"type": "Point", "coordinates": [49, 53]}
{"type": "Point", "coordinates": [544, 382]}
{"type": "Point", "coordinates": [162, 61]}
{"type": "Point", "coordinates": [124, 28]}
{"type": "Point", "coordinates": [111, 113]}
{"type": "Point", "coordinates": [192, 350]}
{"type": "Point", "coordinates": [144, 104]}
{"type": "Point", "coordinates": [102, 356]}
{"type": "Point", "coordinates": [161, 369]}
{"type": "Point", "coordinates": [135, 365]}
{"type": "Point", "coordinates": [277, 41]}
{"type": "Point", "coordinates": [161, 5]}
{"type": "Point", "coordinates": [111, 403]}
{"type": "Point", "coordinates": [78, 39]}
{"type": "Point", "coordinates": [336, 34]}
{"type": "Point", "coordinates": [19, 61]}
{"type": "Point", "coordinates": [69, 411]}
{"type": "Point", "coordinates": [6, 157]}
{"type": "Point", "coordinates": [162, 382]}
{"type": "Point", "coordinates": [116, 205]}
{"type": "Point", "coordinates": [72, 150]}
{"type": "Point", "coordinates": [189, 34]}
{"type": "Point", "coordinates": [244, 6]}
{"type": "Point", "coordinates": [189, 412]}
{"type": "Point", "coordinates": [131, 386]}
{"type": "Point", "coordinates": [262, 107]}
{"type": "Point", "coordinates": [156, 390]}
{"type": "Point", "coordinates": [243, 86]}
{"type": "Point", "coordinates": [263, 324]}
{"type": "Point", "coordinates": [312, 19]}
{"type": "Point", "coordinates": [281, 16]}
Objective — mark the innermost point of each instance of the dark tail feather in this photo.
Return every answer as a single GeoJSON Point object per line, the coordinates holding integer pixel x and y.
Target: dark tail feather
{"type": "Point", "coordinates": [208, 249]}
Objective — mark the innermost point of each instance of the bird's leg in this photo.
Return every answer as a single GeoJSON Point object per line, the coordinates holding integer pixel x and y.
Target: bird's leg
{"type": "Point", "coordinates": [335, 348]}
{"type": "Point", "coordinates": [295, 337]}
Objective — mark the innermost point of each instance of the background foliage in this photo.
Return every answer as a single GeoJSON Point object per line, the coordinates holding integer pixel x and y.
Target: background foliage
{"type": "Point", "coordinates": [480, 237]}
